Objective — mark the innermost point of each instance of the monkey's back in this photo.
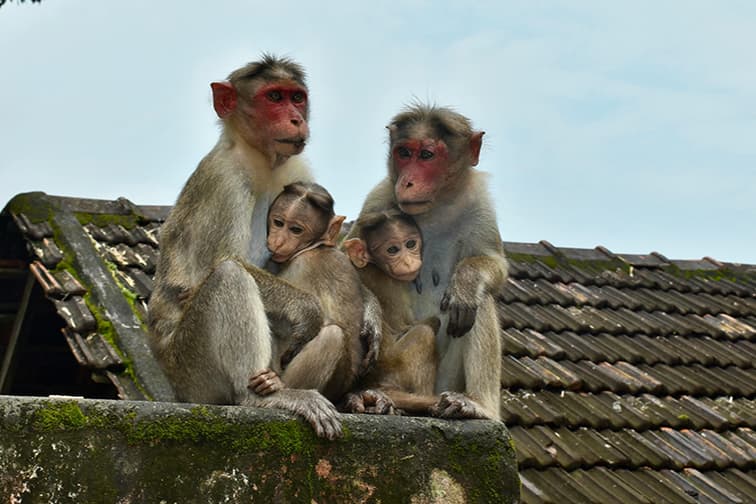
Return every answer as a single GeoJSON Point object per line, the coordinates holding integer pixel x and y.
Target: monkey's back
{"type": "Point", "coordinates": [327, 273]}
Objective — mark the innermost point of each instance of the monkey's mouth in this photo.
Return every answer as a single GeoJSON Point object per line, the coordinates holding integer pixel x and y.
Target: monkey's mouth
{"type": "Point", "coordinates": [280, 258]}
{"type": "Point", "coordinates": [414, 207]}
{"type": "Point", "coordinates": [297, 142]}
{"type": "Point", "coordinates": [406, 277]}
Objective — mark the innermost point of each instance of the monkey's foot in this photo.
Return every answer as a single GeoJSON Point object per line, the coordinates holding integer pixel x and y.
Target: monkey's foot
{"type": "Point", "coordinates": [371, 401]}
{"type": "Point", "coordinates": [456, 405]}
{"type": "Point", "coordinates": [322, 415]}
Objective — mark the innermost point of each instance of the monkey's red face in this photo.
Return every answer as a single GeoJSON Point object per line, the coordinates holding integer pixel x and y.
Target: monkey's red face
{"type": "Point", "coordinates": [422, 167]}
{"type": "Point", "coordinates": [290, 229]}
{"type": "Point", "coordinates": [397, 250]}
{"type": "Point", "coordinates": [279, 110]}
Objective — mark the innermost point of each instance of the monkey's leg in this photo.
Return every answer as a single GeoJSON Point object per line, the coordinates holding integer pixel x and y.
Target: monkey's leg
{"type": "Point", "coordinates": [406, 375]}
{"type": "Point", "coordinates": [223, 339]}
{"type": "Point", "coordinates": [472, 364]}
{"type": "Point", "coordinates": [415, 354]}
{"type": "Point", "coordinates": [318, 361]}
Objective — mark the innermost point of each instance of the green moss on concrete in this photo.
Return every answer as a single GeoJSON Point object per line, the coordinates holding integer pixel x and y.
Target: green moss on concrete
{"type": "Point", "coordinates": [286, 437]}
{"type": "Point", "coordinates": [66, 415]}
{"type": "Point", "coordinates": [148, 452]}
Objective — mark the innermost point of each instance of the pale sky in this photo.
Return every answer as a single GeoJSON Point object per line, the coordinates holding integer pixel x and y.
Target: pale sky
{"type": "Point", "coordinates": [628, 124]}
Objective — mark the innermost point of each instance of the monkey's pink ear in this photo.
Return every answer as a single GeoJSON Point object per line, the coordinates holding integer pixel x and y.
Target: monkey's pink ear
{"type": "Point", "coordinates": [331, 235]}
{"type": "Point", "coordinates": [224, 98]}
{"type": "Point", "coordinates": [476, 141]}
{"type": "Point", "coordinates": [392, 131]}
{"type": "Point", "coordinates": [356, 249]}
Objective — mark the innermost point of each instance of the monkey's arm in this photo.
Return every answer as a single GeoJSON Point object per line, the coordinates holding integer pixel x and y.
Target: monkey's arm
{"type": "Point", "coordinates": [283, 301]}
{"type": "Point", "coordinates": [473, 278]}
{"type": "Point", "coordinates": [370, 333]}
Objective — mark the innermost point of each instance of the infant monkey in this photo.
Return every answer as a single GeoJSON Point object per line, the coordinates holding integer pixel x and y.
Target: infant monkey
{"type": "Point", "coordinates": [388, 254]}
{"type": "Point", "coordinates": [302, 234]}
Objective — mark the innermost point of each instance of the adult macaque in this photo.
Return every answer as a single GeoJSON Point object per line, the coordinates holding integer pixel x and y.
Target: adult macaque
{"type": "Point", "coordinates": [208, 320]}
{"type": "Point", "coordinates": [388, 254]}
{"type": "Point", "coordinates": [431, 177]}
{"type": "Point", "coordinates": [302, 234]}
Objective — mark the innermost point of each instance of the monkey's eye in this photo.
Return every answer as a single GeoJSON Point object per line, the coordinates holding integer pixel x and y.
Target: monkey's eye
{"type": "Point", "coordinates": [393, 250]}
{"type": "Point", "coordinates": [278, 223]}
{"type": "Point", "coordinates": [298, 97]}
{"type": "Point", "coordinates": [426, 154]}
{"type": "Point", "coordinates": [403, 152]}
{"type": "Point", "coordinates": [411, 244]}
{"type": "Point", "coordinates": [296, 230]}
{"type": "Point", "coordinates": [274, 96]}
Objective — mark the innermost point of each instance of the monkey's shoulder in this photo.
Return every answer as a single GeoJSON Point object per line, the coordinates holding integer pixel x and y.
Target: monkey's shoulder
{"type": "Point", "coordinates": [321, 265]}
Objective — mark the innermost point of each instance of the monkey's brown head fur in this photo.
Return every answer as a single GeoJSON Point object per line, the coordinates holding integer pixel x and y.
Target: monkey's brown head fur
{"type": "Point", "coordinates": [265, 103]}
{"type": "Point", "coordinates": [270, 68]}
{"type": "Point", "coordinates": [430, 149]}
{"type": "Point", "coordinates": [301, 216]}
{"type": "Point", "coordinates": [391, 240]}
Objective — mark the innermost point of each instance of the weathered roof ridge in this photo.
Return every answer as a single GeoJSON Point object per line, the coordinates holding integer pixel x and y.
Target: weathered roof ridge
{"type": "Point", "coordinates": [625, 377]}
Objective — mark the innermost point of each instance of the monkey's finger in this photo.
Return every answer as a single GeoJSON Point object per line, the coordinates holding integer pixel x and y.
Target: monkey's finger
{"type": "Point", "coordinates": [327, 427]}
{"type": "Point", "coordinates": [324, 418]}
{"type": "Point", "coordinates": [452, 410]}
{"type": "Point", "coordinates": [368, 363]}
{"type": "Point", "coordinates": [265, 388]}
{"type": "Point", "coordinates": [259, 378]}
{"type": "Point", "coordinates": [454, 322]}
{"type": "Point", "coordinates": [467, 319]}
{"type": "Point", "coordinates": [331, 427]}
{"type": "Point", "coordinates": [445, 301]}
{"type": "Point", "coordinates": [354, 403]}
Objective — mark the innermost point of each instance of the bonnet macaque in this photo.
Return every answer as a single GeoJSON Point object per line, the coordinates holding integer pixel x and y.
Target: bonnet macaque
{"type": "Point", "coordinates": [431, 176]}
{"type": "Point", "coordinates": [302, 235]}
{"type": "Point", "coordinates": [208, 313]}
{"type": "Point", "coordinates": [388, 255]}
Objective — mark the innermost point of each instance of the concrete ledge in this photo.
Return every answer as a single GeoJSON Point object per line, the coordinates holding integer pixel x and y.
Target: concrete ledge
{"type": "Point", "coordinates": [82, 450]}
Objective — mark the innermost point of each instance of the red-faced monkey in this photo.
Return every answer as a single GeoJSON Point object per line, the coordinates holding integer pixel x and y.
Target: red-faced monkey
{"type": "Point", "coordinates": [432, 153]}
{"type": "Point", "coordinates": [302, 234]}
{"type": "Point", "coordinates": [211, 301]}
{"type": "Point", "coordinates": [388, 255]}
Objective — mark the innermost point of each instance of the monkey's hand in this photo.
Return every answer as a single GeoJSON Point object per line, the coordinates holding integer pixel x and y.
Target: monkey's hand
{"type": "Point", "coordinates": [371, 401]}
{"type": "Point", "coordinates": [473, 279]}
{"type": "Point", "coordinates": [291, 352]}
{"type": "Point", "coordinates": [265, 382]}
{"type": "Point", "coordinates": [456, 405]}
{"type": "Point", "coordinates": [370, 333]}
{"type": "Point", "coordinates": [462, 308]}
{"type": "Point", "coordinates": [300, 309]}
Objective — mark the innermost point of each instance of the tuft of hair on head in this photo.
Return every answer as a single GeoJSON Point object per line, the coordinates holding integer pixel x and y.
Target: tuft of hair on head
{"type": "Point", "coordinates": [311, 194]}
{"type": "Point", "coordinates": [270, 67]}
{"type": "Point", "coordinates": [373, 221]}
{"type": "Point", "coordinates": [443, 121]}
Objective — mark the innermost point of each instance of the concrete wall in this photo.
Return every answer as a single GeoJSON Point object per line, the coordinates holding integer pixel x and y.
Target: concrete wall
{"type": "Point", "coordinates": [78, 450]}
